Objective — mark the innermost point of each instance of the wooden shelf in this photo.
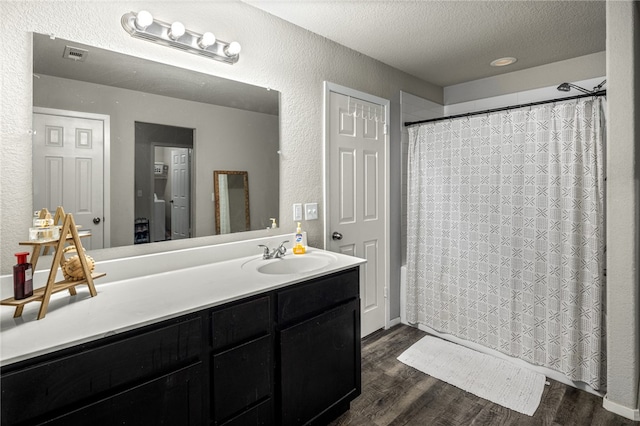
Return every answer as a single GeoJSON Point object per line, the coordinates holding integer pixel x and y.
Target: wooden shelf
{"type": "Point", "coordinates": [82, 234]}
{"type": "Point", "coordinates": [43, 294]}
{"type": "Point", "coordinates": [37, 245]}
{"type": "Point", "coordinates": [59, 286]}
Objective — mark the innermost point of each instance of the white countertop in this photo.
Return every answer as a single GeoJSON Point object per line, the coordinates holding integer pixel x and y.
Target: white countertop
{"type": "Point", "coordinates": [127, 303]}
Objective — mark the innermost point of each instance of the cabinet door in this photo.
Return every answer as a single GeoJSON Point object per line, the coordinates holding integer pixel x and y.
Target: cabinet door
{"type": "Point", "coordinates": [174, 399]}
{"type": "Point", "coordinates": [320, 363]}
{"type": "Point", "coordinates": [242, 377]}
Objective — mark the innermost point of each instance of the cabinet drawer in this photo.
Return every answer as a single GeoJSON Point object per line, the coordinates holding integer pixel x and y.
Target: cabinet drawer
{"type": "Point", "coordinates": [56, 383]}
{"type": "Point", "coordinates": [242, 376]}
{"type": "Point", "coordinates": [241, 322]}
{"type": "Point", "coordinates": [260, 415]}
{"type": "Point", "coordinates": [318, 295]}
{"type": "Point", "coordinates": [180, 393]}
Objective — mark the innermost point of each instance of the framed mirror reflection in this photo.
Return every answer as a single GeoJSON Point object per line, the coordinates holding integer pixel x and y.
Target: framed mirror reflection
{"type": "Point", "coordinates": [231, 189]}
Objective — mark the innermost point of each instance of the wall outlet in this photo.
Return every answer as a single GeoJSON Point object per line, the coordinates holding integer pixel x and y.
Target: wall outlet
{"type": "Point", "coordinates": [311, 211]}
{"type": "Point", "coordinates": [297, 212]}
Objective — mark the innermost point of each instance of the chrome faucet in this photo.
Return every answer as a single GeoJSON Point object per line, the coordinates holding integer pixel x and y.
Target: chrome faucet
{"type": "Point", "coordinates": [277, 252]}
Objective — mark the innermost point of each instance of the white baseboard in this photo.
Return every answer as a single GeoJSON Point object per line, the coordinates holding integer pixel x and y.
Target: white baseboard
{"type": "Point", "coordinates": [393, 323]}
{"type": "Point", "coordinates": [621, 410]}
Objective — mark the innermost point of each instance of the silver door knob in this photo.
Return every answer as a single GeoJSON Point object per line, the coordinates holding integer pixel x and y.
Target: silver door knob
{"type": "Point", "coordinates": [96, 220]}
{"type": "Point", "coordinates": [336, 236]}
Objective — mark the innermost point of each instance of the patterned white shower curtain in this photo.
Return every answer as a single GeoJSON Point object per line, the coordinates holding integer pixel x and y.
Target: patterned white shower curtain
{"type": "Point", "coordinates": [506, 233]}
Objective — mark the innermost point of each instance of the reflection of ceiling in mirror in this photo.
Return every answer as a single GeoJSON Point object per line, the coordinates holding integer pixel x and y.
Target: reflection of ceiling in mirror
{"type": "Point", "coordinates": [128, 72]}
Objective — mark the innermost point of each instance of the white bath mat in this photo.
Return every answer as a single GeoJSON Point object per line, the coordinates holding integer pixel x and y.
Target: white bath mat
{"type": "Point", "coordinates": [483, 375]}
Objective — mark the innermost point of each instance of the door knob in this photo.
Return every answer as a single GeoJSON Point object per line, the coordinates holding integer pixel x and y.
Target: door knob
{"type": "Point", "coordinates": [96, 220]}
{"type": "Point", "coordinates": [336, 236]}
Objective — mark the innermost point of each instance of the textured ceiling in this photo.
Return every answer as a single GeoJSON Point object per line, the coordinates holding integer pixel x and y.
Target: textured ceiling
{"type": "Point", "coordinates": [450, 42]}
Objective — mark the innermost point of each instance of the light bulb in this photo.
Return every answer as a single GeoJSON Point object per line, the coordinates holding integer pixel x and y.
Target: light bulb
{"type": "Point", "coordinates": [233, 49]}
{"type": "Point", "coordinates": [143, 20]}
{"type": "Point", "coordinates": [503, 62]}
{"type": "Point", "coordinates": [177, 30]}
{"type": "Point", "coordinates": [207, 39]}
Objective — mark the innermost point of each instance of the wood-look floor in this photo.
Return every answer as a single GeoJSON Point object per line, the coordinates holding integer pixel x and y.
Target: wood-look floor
{"type": "Point", "coordinates": [396, 394]}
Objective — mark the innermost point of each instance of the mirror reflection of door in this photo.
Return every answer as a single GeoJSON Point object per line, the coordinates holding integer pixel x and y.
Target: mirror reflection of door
{"type": "Point", "coordinates": [68, 166]}
{"type": "Point", "coordinates": [163, 181]}
{"type": "Point", "coordinates": [231, 191]}
{"type": "Point", "coordinates": [180, 193]}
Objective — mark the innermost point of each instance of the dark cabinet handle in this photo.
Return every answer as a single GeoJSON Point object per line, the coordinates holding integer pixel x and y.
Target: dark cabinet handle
{"type": "Point", "coordinates": [336, 236]}
{"type": "Point", "coordinates": [96, 220]}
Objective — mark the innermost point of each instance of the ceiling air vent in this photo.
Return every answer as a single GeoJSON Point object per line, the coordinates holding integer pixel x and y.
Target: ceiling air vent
{"type": "Point", "coordinates": [75, 53]}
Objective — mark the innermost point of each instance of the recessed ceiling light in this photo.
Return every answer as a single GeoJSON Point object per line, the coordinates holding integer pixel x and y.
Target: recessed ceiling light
{"type": "Point", "coordinates": [503, 62]}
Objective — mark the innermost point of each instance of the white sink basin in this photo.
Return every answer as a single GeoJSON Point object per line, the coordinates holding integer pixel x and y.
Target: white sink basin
{"type": "Point", "coordinates": [291, 263]}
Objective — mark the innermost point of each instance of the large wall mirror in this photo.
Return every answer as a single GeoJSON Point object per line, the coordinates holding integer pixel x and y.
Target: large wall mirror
{"type": "Point", "coordinates": [159, 130]}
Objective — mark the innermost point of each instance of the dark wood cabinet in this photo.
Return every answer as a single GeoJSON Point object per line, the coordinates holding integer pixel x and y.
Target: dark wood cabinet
{"type": "Point", "coordinates": [285, 357]}
{"type": "Point", "coordinates": [319, 349]}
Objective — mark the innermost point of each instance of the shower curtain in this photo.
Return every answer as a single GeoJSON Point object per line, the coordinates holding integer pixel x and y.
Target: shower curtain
{"type": "Point", "coordinates": [505, 233]}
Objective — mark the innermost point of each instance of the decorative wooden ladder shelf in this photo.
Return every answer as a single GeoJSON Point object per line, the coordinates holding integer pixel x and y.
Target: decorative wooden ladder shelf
{"type": "Point", "coordinates": [68, 233]}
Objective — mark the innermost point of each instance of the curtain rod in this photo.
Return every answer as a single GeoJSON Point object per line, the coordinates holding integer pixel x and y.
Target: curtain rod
{"type": "Point", "coordinates": [488, 111]}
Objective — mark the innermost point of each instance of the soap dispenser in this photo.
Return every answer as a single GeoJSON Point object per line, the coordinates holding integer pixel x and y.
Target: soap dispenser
{"type": "Point", "coordinates": [22, 277]}
{"type": "Point", "coordinates": [299, 248]}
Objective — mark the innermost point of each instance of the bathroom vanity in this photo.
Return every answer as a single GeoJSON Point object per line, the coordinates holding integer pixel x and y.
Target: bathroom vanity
{"type": "Point", "coordinates": [260, 348]}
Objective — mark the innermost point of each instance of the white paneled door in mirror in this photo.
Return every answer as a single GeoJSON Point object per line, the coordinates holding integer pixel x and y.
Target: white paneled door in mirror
{"type": "Point", "coordinates": [68, 165]}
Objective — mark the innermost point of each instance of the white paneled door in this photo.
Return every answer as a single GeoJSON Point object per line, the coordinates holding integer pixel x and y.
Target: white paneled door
{"type": "Point", "coordinates": [68, 166]}
{"type": "Point", "coordinates": [357, 198]}
{"type": "Point", "coordinates": [180, 193]}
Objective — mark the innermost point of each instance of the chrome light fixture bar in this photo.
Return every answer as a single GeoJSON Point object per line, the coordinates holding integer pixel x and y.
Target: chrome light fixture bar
{"type": "Point", "coordinates": [142, 25]}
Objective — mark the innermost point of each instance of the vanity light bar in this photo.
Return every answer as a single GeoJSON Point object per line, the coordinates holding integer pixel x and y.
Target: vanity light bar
{"type": "Point", "coordinates": [142, 25]}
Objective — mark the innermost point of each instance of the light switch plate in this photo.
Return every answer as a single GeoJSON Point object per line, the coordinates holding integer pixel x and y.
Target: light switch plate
{"type": "Point", "coordinates": [297, 211]}
{"type": "Point", "coordinates": [311, 211]}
